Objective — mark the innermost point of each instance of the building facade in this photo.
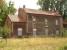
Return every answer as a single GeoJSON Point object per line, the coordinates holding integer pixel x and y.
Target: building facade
{"type": "Point", "coordinates": [35, 22]}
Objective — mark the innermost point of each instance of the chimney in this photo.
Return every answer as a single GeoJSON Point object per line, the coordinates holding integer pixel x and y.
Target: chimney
{"type": "Point", "coordinates": [23, 6]}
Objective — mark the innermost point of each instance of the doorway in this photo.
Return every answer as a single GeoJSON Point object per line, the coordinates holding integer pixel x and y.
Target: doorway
{"type": "Point", "coordinates": [20, 30]}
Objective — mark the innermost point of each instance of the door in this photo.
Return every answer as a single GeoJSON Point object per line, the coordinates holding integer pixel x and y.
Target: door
{"type": "Point", "coordinates": [20, 31]}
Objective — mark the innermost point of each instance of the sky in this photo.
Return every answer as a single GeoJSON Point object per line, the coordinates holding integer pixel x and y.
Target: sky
{"type": "Point", "coordinates": [28, 3]}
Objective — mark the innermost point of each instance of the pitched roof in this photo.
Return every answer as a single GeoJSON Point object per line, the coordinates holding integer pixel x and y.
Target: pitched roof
{"type": "Point", "coordinates": [14, 18]}
{"type": "Point", "coordinates": [33, 11]}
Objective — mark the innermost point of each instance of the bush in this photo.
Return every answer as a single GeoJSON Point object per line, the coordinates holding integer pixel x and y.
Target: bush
{"type": "Point", "coordinates": [65, 32]}
{"type": "Point", "coordinates": [4, 31]}
{"type": "Point", "coordinates": [65, 47]}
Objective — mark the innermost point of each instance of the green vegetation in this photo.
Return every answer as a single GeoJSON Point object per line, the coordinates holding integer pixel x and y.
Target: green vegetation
{"type": "Point", "coordinates": [5, 9]}
{"type": "Point", "coordinates": [65, 32]}
{"type": "Point", "coordinates": [4, 32]}
{"type": "Point", "coordinates": [33, 44]}
{"type": "Point", "coordinates": [54, 5]}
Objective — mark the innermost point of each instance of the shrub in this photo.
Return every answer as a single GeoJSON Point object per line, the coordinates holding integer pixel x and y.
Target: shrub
{"type": "Point", "coordinates": [4, 31]}
{"type": "Point", "coordinates": [65, 32]}
{"type": "Point", "coordinates": [65, 47]}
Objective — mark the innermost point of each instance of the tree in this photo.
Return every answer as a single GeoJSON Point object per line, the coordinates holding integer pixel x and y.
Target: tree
{"type": "Point", "coordinates": [5, 31]}
{"type": "Point", "coordinates": [5, 9]}
{"type": "Point", "coordinates": [11, 9]}
{"type": "Point", "coordinates": [64, 9]}
{"type": "Point", "coordinates": [49, 4]}
{"type": "Point", "coordinates": [53, 5]}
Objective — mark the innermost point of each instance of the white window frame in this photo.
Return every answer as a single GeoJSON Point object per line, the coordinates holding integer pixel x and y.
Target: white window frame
{"type": "Point", "coordinates": [57, 22]}
{"type": "Point", "coordinates": [57, 32]}
{"type": "Point", "coordinates": [34, 19]}
{"type": "Point", "coordinates": [46, 21]}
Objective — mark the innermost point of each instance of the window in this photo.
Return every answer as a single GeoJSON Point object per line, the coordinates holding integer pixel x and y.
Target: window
{"type": "Point", "coordinates": [34, 32]}
{"type": "Point", "coordinates": [57, 32]}
{"type": "Point", "coordinates": [34, 19]}
{"type": "Point", "coordinates": [56, 22]}
{"type": "Point", "coordinates": [46, 21]}
{"type": "Point", "coordinates": [46, 31]}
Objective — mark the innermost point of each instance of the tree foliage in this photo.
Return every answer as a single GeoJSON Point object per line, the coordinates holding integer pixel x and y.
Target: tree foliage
{"type": "Point", "coordinates": [5, 9]}
{"type": "Point", "coordinates": [11, 9]}
{"type": "Point", "coordinates": [65, 9]}
{"type": "Point", "coordinates": [5, 31]}
{"type": "Point", "coordinates": [54, 5]}
{"type": "Point", "coordinates": [46, 4]}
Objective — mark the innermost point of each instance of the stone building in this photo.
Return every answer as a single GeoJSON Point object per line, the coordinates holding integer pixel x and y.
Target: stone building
{"type": "Point", "coordinates": [35, 22]}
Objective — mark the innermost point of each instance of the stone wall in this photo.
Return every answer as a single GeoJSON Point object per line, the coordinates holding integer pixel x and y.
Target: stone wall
{"type": "Point", "coordinates": [44, 25]}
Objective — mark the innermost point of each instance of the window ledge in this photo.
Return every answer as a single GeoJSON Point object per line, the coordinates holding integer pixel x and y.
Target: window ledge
{"type": "Point", "coordinates": [45, 26]}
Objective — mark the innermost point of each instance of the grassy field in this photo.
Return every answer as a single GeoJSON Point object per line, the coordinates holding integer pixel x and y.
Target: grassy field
{"type": "Point", "coordinates": [33, 44]}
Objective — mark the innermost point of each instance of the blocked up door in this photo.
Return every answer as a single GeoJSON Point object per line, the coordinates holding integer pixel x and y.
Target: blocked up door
{"type": "Point", "coordinates": [20, 30]}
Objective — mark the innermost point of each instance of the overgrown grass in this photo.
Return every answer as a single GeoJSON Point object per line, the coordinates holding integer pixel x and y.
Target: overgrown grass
{"type": "Point", "coordinates": [65, 32]}
{"type": "Point", "coordinates": [33, 44]}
